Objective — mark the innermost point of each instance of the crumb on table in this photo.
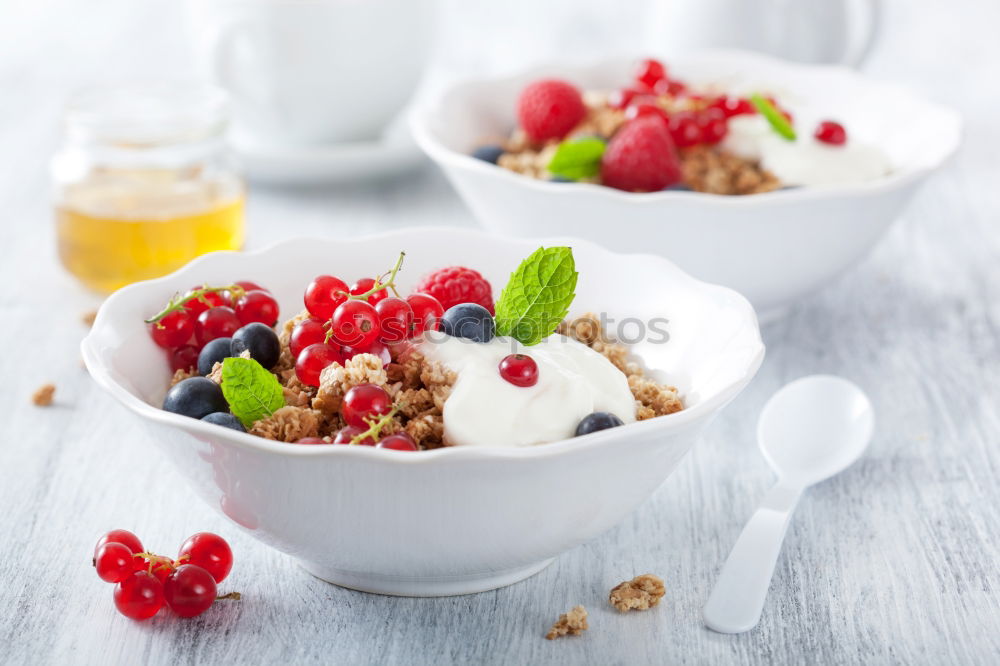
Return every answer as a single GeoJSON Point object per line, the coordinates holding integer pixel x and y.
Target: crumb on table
{"type": "Point", "coordinates": [88, 318]}
{"type": "Point", "coordinates": [640, 593]}
{"type": "Point", "coordinates": [42, 397]}
{"type": "Point", "coordinates": [571, 623]}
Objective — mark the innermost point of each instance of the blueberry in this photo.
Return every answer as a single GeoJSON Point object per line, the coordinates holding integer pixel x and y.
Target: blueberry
{"type": "Point", "coordinates": [469, 320]}
{"type": "Point", "coordinates": [262, 342]}
{"type": "Point", "coordinates": [597, 421]}
{"type": "Point", "coordinates": [488, 153]}
{"type": "Point", "coordinates": [213, 353]}
{"type": "Point", "coordinates": [195, 397]}
{"type": "Point", "coordinates": [224, 419]}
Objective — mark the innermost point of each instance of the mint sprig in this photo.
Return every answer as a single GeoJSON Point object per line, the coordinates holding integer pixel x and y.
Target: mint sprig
{"type": "Point", "coordinates": [538, 295]}
{"type": "Point", "coordinates": [778, 121]}
{"type": "Point", "coordinates": [578, 159]}
{"type": "Point", "coordinates": [252, 392]}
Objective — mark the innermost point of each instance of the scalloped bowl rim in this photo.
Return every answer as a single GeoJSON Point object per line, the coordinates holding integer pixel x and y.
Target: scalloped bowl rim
{"type": "Point", "coordinates": [671, 422]}
{"type": "Point", "coordinates": [897, 179]}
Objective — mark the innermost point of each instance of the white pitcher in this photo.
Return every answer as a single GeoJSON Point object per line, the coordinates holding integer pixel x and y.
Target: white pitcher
{"type": "Point", "coordinates": [811, 31]}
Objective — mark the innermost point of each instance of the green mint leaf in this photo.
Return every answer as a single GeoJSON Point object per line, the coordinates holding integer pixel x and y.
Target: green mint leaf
{"type": "Point", "coordinates": [538, 295]}
{"type": "Point", "coordinates": [778, 121]}
{"type": "Point", "coordinates": [252, 392]}
{"type": "Point", "coordinates": [577, 159]}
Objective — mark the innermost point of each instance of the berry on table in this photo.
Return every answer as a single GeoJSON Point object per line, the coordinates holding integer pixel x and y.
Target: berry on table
{"type": "Point", "coordinates": [260, 340]}
{"type": "Point", "coordinates": [519, 370]}
{"type": "Point", "coordinates": [469, 320]}
{"type": "Point", "coordinates": [114, 562]}
{"type": "Point", "coordinates": [173, 330]}
{"type": "Point", "coordinates": [649, 72]}
{"type": "Point", "coordinates": [189, 590]}
{"type": "Point", "coordinates": [831, 132]}
{"type": "Point", "coordinates": [139, 596]}
{"type": "Point", "coordinates": [217, 322]}
{"type": "Point", "coordinates": [457, 284]}
{"type": "Point", "coordinates": [323, 295]}
{"type": "Point", "coordinates": [224, 419]}
{"type": "Point", "coordinates": [395, 319]}
{"type": "Point", "coordinates": [641, 157]}
{"type": "Point", "coordinates": [257, 306]}
{"type": "Point", "coordinates": [124, 537]}
{"type": "Point", "coordinates": [549, 109]}
{"type": "Point", "coordinates": [597, 421]}
{"type": "Point", "coordinates": [364, 285]}
{"type": "Point", "coordinates": [365, 401]}
{"type": "Point", "coordinates": [195, 397]}
{"type": "Point", "coordinates": [490, 153]}
{"type": "Point", "coordinates": [214, 352]}
{"type": "Point", "coordinates": [427, 312]}
{"type": "Point", "coordinates": [184, 358]}
{"type": "Point", "coordinates": [355, 323]}
{"type": "Point", "coordinates": [314, 359]}
{"type": "Point", "coordinates": [399, 441]}
{"type": "Point", "coordinates": [210, 552]}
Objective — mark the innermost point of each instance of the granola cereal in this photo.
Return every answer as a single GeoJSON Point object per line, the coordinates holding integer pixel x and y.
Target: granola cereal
{"type": "Point", "coordinates": [570, 623]}
{"type": "Point", "coordinates": [640, 593]}
{"type": "Point", "coordinates": [43, 396]}
{"type": "Point", "coordinates": [289, 424]}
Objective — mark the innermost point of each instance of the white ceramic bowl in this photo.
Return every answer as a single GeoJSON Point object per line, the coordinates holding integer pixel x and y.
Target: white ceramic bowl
{"type": "Point", "coordinates": [455, 520]}
{"type": "Point", "coordinates": [773, 248]}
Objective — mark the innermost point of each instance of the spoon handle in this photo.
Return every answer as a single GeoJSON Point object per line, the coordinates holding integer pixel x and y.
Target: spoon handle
{"type": "Point", "coordinates": [737, 600]}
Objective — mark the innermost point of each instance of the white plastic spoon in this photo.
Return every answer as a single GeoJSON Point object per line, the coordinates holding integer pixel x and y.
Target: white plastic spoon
{"type": "Point", "coordinates": [809, 430]}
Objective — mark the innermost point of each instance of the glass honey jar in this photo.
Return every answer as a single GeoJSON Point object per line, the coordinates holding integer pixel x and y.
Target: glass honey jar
{"type": "Point", "coordinates": [144, 182]}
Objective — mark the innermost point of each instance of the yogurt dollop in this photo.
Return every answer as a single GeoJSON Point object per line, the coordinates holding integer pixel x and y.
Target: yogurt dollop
{"type": "Point", "coordinates": [804, 161]}
{"type": "Point", "coordinates": [484, 409]}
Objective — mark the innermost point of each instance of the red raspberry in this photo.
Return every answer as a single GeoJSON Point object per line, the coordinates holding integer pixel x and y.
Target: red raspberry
{"type": "Point", "coordinates": [457, 284]}
{"type": "Point", "coordinates": [641, 157]}
{"type": "Point", "coordinates": [549, 109]}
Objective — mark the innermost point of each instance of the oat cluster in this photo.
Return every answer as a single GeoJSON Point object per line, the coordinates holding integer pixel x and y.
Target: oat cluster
{"type": "Point", "coordinates": [42, 397]}
{"type": "Point", "coordinates": [641, 593]}
{"type": "Point", "coordinates": [571, 623]}
{"type": "Point", "coordinates": [705, 169]}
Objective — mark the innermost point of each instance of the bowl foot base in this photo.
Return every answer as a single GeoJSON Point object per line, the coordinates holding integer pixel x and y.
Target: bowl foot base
{"type": "Point", "coordinates": [414, 586]}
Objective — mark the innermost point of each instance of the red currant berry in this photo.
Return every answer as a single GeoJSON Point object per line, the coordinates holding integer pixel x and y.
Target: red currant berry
{"type": "Point", "coordinates": [355, 323]}
{"type": "Point", "coordinates": [712, 124]}
{"type": "Point", "coordinates": [733, 106]}
{"type": "Point", "coordinates": [124, 537]}
{"type": "Point", "coordinates": [684, 130]}
{"type": "Point", "coordinates": [184, 358]}
{"type": "Point", "coordinates": [246, 285]}
{"type": "Point", "coordinates": [139, 596]}
{"type": "Point", "coordinates": [400, 441]}
{"type": "Point", "coordinates": [210, 552]}
{"type": "Point", "coordinates": [346, 434]}
{"type": "Point", "coordinates": [365, 285]}
{"type": "Point", "coordinates": [307, 332]}
{"type": "Point", "coordinates": [212, 299]}
{"type": "Point", "coordinates": [375, 349]}
{"type": "Point", "coordinates": [620, 99]}
{"type": "Point", "coordinates": [365, 401]}
{"type": "Point", "coordinates": [643, 109]}
{"type": "Point", "coordinates": [323, 295]}
{"type": "Point", "coordinates": [519, 370]}
{"type": "Point", "coordinates": [161, 567]}
{"type": "Point", "coordinates": [831, 132]}
{"type": "Point", "coordinates": [650, 72]}
{"type": "Point", "coordinates": [217, 322]}
{"type": "Point", "coordinates": [395, 319]}
{"type": "Point", "coordinates": [189, 590]}
{"type": "Point", "coordinates": [427, 312]}
{"type": "Point", "coordinates": [257, 306]}
{"type": "Point", "coordinates": [672, 88]}
{"type": "Point", "coordinates": [173, 330]}
{"type": "Point", "coordinates": [311, 440]}
{"type": "Point", "coordinates": [113, 562]}
{"type": "Point", "coordinates": [313, 360]}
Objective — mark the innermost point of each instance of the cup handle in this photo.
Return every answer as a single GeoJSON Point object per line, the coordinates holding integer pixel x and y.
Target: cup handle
{"type": "Point", "coordinates": [868, 15]}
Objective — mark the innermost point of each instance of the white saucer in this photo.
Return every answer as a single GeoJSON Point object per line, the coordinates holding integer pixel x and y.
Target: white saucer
{"type": "Point", "coordinates": [279, 164]}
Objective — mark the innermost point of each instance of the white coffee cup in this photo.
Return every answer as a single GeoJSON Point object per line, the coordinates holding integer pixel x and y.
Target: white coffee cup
{"type": "Point", "coordinates": [812, 31]}
{"type": "Point", "coordinates": [313, 71]}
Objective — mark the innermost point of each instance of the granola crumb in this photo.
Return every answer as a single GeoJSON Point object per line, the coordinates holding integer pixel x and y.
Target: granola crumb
{"type": "Point", "coordinates": [336, 380]}
{"type": "Point", "coordinates": [640, 593]}
{"type": "Point", "coordinates": [42, 397]}
{"type": "Point", "coordinates": [289, 424]}
{"type": "Point", "coordinates": [88, 318]}
{"type": "Point", "coordinates": [571, 623]}
{"type": "Point", "coordinates": [716, 172]}
{"type": "Point", "coordinates": [180, 375]}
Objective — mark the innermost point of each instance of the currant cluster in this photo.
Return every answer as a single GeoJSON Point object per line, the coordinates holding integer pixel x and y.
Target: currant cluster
{"type": "Point", "coordinates": [365, 317]}
{"type": "Point", "coordinates": [144, 581]}
{"type": "Point", "coordinates": [203, 314]}
{"type": "Point", "coordinates": [367, 409]}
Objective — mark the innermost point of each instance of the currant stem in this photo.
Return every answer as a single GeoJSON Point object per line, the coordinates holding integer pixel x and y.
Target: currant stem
{"type": "Point", "coordinates": [380, 284]}
{"type": "Point", "coordinates": [229, 596]}
{"type": "Point", "coordinates": [375, 426]}
{"type": "Point", "coordinates": [178, 302]}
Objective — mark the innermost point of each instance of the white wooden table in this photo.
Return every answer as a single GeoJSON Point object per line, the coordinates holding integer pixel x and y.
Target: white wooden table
{"type": "Point", "coordinates": [895, 561]}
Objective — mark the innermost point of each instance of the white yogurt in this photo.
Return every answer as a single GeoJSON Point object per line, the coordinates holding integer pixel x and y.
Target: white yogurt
{"type": "Point", "coordinates": [484, 409]}
{"type": "Point", "coordinates": [804, 161]}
